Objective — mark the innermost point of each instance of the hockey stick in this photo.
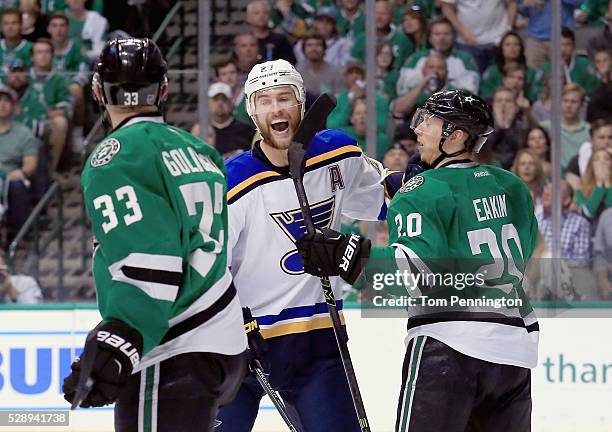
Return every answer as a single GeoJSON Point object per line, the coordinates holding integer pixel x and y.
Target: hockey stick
{"type": "Point", "coordinates": [313, 122]}
{"type": "Point", "coordinates": [274, 396]}
{"type": "Point", "coordinates": [251, 328]}
{"type": "Point", "coordinates": [86, 382]}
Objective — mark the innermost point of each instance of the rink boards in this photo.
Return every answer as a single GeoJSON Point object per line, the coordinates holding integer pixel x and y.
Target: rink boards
{"type": "Point", "coordinates": [572, 385]}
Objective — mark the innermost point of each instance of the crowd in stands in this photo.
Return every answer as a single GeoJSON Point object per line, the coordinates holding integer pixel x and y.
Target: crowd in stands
{"type": "Point", "coordinates": [47, 51]}
{"type": "Point", "coordinates": [499, 49]}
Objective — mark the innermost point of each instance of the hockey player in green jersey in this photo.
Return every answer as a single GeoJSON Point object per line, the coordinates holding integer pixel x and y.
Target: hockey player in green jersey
{"type": "Point", "coordinates": [170, 348]}
{"type": "Point", "coordinates": [467, 365]}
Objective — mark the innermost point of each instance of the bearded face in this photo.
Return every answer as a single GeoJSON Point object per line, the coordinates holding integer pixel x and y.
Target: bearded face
{"type": "Point", "coordinates": [277, 114]}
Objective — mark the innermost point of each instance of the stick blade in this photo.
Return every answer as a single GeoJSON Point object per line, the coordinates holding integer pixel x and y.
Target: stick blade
{"type": "Point", "coordinates": [313, 122]}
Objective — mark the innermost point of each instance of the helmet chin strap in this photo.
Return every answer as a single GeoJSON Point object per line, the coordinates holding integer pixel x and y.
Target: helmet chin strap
{"type": "Point", "coordinates": [443, 155]}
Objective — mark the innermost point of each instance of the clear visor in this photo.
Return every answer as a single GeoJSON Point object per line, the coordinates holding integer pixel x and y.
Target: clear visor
{"type": "Point", "coordinates": [275, 99]}
{"type": "Point", "coordinates": [274, 106]}
{"type": "Point", "coordinates": [421, 115]}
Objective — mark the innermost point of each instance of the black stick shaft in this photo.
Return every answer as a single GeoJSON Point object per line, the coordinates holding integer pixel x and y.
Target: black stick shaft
{"type": "Point", "coordinates": [339, 332]}
{"type": "Point", "coordinates": [276, 400]}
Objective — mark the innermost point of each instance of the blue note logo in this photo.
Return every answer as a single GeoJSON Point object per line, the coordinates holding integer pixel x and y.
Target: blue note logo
{"type": "Point", "coordinates": [292, 224]}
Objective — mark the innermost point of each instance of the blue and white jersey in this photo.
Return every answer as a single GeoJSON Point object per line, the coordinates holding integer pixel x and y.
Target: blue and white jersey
{"type": "Point", "coordinates": [265, 221]}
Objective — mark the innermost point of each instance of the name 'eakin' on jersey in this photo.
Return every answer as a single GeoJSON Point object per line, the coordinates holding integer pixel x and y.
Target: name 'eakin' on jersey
{"type": "Point", "coordinates": [156, 198]}
{"type": "Point", "coordinates": [466, 219]}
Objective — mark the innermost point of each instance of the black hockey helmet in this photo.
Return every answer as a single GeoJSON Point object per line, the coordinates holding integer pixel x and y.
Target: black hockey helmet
{"type": "Point", "coordinates": [459, 109]}
{"type": "Point", "coordinates": [130, 72]}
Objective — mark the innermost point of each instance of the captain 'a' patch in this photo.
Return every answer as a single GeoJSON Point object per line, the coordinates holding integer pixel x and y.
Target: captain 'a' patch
{"type": "Point", "coordinates": [105, 152]}
{"type": "Point", "coordinates": [335, 177]}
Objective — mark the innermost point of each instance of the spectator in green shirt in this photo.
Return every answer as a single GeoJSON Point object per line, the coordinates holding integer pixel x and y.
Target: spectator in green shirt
{"type": "Point", "coordinates": [386, 75]}
{"type": "Point", "coordinates": [435, 78]}
{"type": "Point", "coordinates": [68, 59]}
{"type": "Point", "coordinates": [385, 31]}
{"type": "Point", "coordinates": [226, 72]}
{"type": "Point", "coordinates": [354, 77]}
{"type": "Point", "coordinates": [511, 51]}
{"type": "Point", "coordinates": [12, 45]}
{"type": "Point", "coordinates": [414, 25]}
{"type": "Point", "coordinates": [44, 100]}
{"type": "Point", "coordinates": [351, 18]}
{"type": "Point", "coordinates": [18, 159]}
{"type": "Point", "coordinates": [574, 131]}
{"type": "Point", "coordinates": [596, 193]}
{"type": "Point", "coordinates": [577, 68]}
{"type": "Point", "coordinates": [358, 128]}
{"type": "Point", "coordinates": [88, 26]}
{"type": "Point", "coordinates": [591, 12]}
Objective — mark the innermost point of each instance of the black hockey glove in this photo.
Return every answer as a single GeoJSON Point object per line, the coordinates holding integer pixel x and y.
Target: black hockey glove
{"type": "Point", "coordinates": [395, 180]}
{"type": "Point", "coordinates": [118, 348]}
{"type": "Point", "coordinates": [330, 253]}
{"type": "Point", "coordinates": [257, 344]}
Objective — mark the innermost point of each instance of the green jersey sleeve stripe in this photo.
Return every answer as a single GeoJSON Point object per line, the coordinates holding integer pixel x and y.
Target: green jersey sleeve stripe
{"type": "Point", "coordinates": [167, 268]}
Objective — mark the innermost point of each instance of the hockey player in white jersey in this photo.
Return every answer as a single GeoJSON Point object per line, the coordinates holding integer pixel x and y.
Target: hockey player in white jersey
{"type": "Point", "coordinates": [264, 223]}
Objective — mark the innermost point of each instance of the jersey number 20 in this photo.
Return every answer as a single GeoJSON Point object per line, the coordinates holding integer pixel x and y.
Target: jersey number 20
{"type": "Point", "coordinates": [495, 270]}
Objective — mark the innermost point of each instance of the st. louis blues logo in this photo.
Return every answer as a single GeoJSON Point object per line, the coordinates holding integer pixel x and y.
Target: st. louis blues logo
{"type": "Point", "coordinates": [292, 224]}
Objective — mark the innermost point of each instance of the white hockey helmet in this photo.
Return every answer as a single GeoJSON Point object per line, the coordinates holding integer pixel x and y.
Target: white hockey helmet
{"type": "Point", "coordinates": [271, 74]}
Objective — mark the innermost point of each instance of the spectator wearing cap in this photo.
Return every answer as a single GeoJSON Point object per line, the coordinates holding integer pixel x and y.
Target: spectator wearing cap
{"type": "Point", "coordinates": [351, 18]}
{"type": "Point", "coordinates": [337, 49]}
{"type": "Point", "coordinates": [69, 60]}
{"type": "Point", "coordinates": [46, 104]}
{"type": "Point", "coordinates": [574, 131]}
{"type": "Point", "coordinates": [434, 79]}
{"type": "Point", "coordinates": [577, 68]}
{"type": "Point", "coordinates": [290, 18]}
{"type": "Point", "coordinates": [405, 136]}
{"type": "Point", "coordinates": [385, 31]}
{"type": "Point", "coordinates": [272, 46]}
{"type": "Point", "coordinates": [539, 14]}
{"type": "Point", "coordinates": [480, 25]}
{"type": "Point", "coordinates": [462, 71]}
{"type": "Point", "coordinates": [87, 26]}
{"type": "Point", "coordinates": [358, 125]}
{"type": "Point", "coordinates": [18, 159]}
{"type": "Point", "coordinates": [396, 158]}
{"type": "Point", "coordinates": [318, 75]}
{"type": "Point", "coordinates": [414, 24]}
{"type": "Point", "coordinates": [231, 135]}
{"type": "Point", "coordinates": [245, 54]}
{"type": "Point", "coordinates": [12, 45]}
{"type": "Point", "coordinates": [354, 78]}
{"type": "Point", "coordinates": [226, 72]}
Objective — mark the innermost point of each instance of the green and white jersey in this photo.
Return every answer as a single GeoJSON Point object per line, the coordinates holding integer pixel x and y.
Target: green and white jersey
{"type": "Point", "coordinates": [401, 45]}
{"type": "Point", "coordinates": [51, 6]}
{"type": "Point", "coordinates": [462, 71]}
{"type": "Point", "coordinates": [45, 93]}
{"type": "Point", "coordinates": [72, 63]}
{"type": "Point", "coordinates": [20, 51]}
{"type": "Point", "coordinates": [156, 198]}
{"type": "Point", "coordinates": [459, 220]}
